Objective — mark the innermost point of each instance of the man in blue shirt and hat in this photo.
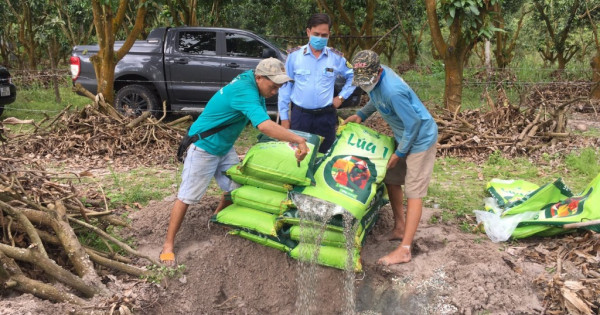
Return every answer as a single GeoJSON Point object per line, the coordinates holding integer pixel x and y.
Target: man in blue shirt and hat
{"type": "Point", "coordinates": [416, 133]}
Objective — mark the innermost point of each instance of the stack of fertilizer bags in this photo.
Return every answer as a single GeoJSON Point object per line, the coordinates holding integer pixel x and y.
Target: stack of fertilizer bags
{"type": "Point", "coordinates": [348, 178]}
{"type": "Point", "coordinates": [520, 209]}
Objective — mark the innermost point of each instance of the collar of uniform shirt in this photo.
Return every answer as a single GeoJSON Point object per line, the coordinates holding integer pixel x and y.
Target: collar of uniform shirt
{"type": "Point", "coordinates": [307, 50]}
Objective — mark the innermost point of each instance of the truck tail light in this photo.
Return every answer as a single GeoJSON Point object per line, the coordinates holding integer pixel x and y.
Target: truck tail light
{"type": "Point", "coordinates": [75, 67]}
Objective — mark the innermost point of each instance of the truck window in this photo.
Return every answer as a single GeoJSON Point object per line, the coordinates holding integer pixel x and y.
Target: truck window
{"type": "Point", "coordinates": [198, 43]}
{"type": "Point", "coordinates": [243, 46]}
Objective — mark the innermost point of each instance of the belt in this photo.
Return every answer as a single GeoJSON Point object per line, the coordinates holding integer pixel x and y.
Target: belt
{"type": "Point", "coordinates": [317, 111]}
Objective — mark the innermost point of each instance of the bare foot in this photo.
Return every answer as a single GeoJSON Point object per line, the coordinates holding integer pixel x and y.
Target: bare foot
{"type": "Point", "coordinates": [393, 235]}
{"type": "Point", "coordinates": [399, 255]}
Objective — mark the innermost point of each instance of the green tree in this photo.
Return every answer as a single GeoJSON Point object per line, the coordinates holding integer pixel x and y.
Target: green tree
{"type": "Point", "coordinates": [467, 21]}
{"type": "Point", "coordinates": [559, 18]}
{"type": "Point", "coordinates": [506, 36]}
{"type": "Point", "coordinates": [107, 22]}
{"type": "Point", "coordinates": [595, 63]}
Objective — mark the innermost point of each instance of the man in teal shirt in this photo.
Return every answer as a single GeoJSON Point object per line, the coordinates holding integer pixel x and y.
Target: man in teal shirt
{"type": "Point", "coordinates": [219, 126]}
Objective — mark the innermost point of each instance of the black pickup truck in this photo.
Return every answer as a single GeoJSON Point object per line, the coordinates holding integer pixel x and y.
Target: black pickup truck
{"type": "Point", "coordinates": [183, 66]}
{"type": "Point", "coordinates": [8, 91]}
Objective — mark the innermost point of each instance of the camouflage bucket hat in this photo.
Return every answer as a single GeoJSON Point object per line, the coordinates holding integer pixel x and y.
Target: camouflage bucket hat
{"type": "Point", "coordinates": [366, 66]}
{"type": "Point", "coordinates": [273, 69]}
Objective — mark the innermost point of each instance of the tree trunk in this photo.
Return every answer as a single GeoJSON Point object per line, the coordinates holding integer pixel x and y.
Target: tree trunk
{"type": "Point", "coordinates": [454, 76]}
{"type": "Point", "coordinates": [595, 94]}
{"type": "Point", "coordinates": [53, 56]}
{"type": "Point", "coordinates": [488, 57]}
{"type": "Point", "coordinates": [562, 62]}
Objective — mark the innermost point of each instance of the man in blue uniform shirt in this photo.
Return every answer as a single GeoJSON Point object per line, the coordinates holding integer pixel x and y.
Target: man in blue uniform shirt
{"type": "Point", "coordinates": [416, 133]}
{"type": "Point", "coordinates": [219, 126]}
{"type": "Point", "coordinates": [314, 68]}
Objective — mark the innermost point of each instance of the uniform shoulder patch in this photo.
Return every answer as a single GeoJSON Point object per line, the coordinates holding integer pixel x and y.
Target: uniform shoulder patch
{"type": "Point", "coordinates": [337, 52]}
{"type": "Point", "coordinates": [348, 64]}
{"type": "Point", "coordinates": [291, 50]}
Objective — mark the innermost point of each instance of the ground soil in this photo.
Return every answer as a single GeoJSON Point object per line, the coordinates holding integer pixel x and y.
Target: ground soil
{"type": "Point", "coordinates": [452, 272]}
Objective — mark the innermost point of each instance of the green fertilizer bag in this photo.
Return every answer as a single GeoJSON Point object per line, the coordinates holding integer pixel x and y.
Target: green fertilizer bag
{"type": "Point", "coordinates": [237, 176]}
{"type": "Point", "coordinates": [335, 257]}
{"type": "Point", "coordinates": [276, 161]}
{"type": "Point", "coordinates": [334, 229]}
{"type": "Point", "coordinates": [539, 198]}
{"type": "Point", "coordinates": [248, 219]}
{"type": "Point", "coordinates": [279, 243]}
{"type": "Point", "coordinates": [261, 199]}
{"type": "Point", "coordinates": [509, 191]}
{"type": "Point", "coordinates": [582, 208]}
{"type": "Point", "coordinates": [351, 170]}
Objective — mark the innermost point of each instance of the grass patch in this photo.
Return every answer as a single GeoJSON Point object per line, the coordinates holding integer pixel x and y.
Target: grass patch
{"type": "Point", "coordinates": [36, 102]}
{"type": "Point", "coordinates": [139, 186]}
{"type": "Point", "coordinates": [458, 186]}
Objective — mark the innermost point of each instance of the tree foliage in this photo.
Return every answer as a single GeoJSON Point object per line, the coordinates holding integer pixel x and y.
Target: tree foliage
{"type": "Point", "coordinates": [467, 22]}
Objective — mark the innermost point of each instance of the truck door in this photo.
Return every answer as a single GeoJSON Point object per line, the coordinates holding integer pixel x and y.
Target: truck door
{"type": "Point", "coordinates": [194, 68]}
{"type": "Point", "coordinates": [244, 52]}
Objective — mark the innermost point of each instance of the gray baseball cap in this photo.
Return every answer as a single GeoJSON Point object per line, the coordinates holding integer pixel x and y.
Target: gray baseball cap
{"type": "Point", "coordinates": [273, 69]}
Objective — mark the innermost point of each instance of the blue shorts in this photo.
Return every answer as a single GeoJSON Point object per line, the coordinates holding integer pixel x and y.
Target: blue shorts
{"type": "Point", "coordinates": [199, 167]}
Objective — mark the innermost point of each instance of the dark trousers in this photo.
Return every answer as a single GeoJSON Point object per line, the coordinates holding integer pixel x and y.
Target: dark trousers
{"type": "Point", "coordinates": [321, 123]}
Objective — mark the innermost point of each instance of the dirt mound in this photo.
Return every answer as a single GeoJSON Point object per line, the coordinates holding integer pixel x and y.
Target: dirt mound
{"type": "Point", "coordinates": [451, 272]}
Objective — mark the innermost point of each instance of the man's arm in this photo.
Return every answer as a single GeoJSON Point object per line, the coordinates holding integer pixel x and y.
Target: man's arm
{"type": "Point", "coordinates": [285, 92]}
{"type": "Point", "coordinates": [273, 130]}
{"type": "Point", "coordinates": [348, 73]}
{"type": "Point", "coordinates": [411, 122]}
{"type": "Point", "coordinates": [362, 114]}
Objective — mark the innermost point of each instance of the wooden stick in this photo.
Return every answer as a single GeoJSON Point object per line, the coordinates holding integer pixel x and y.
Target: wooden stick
{"type": "Point", "coordinates": [581, 224]}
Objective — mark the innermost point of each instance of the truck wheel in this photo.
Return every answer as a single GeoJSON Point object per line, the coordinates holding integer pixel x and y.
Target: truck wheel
{"type": "Point", "coordinates": [133, 100]}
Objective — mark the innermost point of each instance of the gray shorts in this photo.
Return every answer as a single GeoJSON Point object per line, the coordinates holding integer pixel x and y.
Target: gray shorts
{"type": "Point", "coordinates": [414, 173]}
{"type": "Point", "coordinates": [199, 167]}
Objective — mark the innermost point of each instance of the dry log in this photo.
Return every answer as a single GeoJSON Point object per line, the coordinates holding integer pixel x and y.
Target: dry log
{"type": "Point", "coordinates": [11, 274]}
{"type": "Point", "coordinates": [139, 119]}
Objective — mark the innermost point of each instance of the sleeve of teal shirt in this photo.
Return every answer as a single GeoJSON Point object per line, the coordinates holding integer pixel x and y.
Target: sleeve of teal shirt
{"type": "Point", "coordinates": [251, 105]}
{"type": "Point", "coordinates": [348, 73]}
{"type": "Point", "coordinates": [411, 120]}
{"type": "Point", "coordinates": [285, 92]}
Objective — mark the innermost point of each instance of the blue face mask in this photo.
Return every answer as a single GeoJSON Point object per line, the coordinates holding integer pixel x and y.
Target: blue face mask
{"type": "Point", "coordinates": [318, 43]}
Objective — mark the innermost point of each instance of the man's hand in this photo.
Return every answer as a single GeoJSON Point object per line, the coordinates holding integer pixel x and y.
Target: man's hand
{"type": "Point", "coordinates": [354, 118]}
{"type": "Point", "coordinates": [285, 124]}
{"type": "Point", "coordinates": [302, 151]}
{"type": "Point", "coordinates": [393, 161]}
{"type": "Point", "coordinates": [337, 102]}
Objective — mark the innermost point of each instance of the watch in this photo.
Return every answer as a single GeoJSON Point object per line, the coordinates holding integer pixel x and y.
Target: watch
{"type": "Point", "coordinates": [341, 98]}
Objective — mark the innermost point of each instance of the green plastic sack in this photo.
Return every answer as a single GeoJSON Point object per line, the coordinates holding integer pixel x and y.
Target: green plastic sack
{"type": "Point", "coordinates": [237, 176]}
{"type": "Point", "coordinates": [279, 243]}
{"type": "Point", "coordinates": [335, 257]}
{"type": "Point", "coordinates": [585, 207]}
{"type": "Point", "coordinates": [248, 219]}
{"type": "Point", "coordinates": [276, 161]}
{"type": "Point", "coordinates": [334, 230]}
{"type": "Point", "coordinates": [336, 222]}
{"type": "Point", "coordinates": [508, 191]}
{"type": "Point", "coordinates": [261, 199]}
{"type": "Point", "coordinates": [540, 198]}
{"type": "Point", "coordinates": [351, 170]}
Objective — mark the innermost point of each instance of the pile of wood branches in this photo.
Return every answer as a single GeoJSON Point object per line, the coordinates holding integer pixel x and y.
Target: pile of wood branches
{"type": "Point", "coordinates": [43, 215]}
{"type": "Point", "coordinates": [574, 287]}
{"type": "Point", "coordinates": [563, 92]}
{"type": "Point", "coordinates": [98, 133]}
{"type": "Point", "coordinates": [41, 220]}
{"type": "Point", "coordinates": [537, 127]}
